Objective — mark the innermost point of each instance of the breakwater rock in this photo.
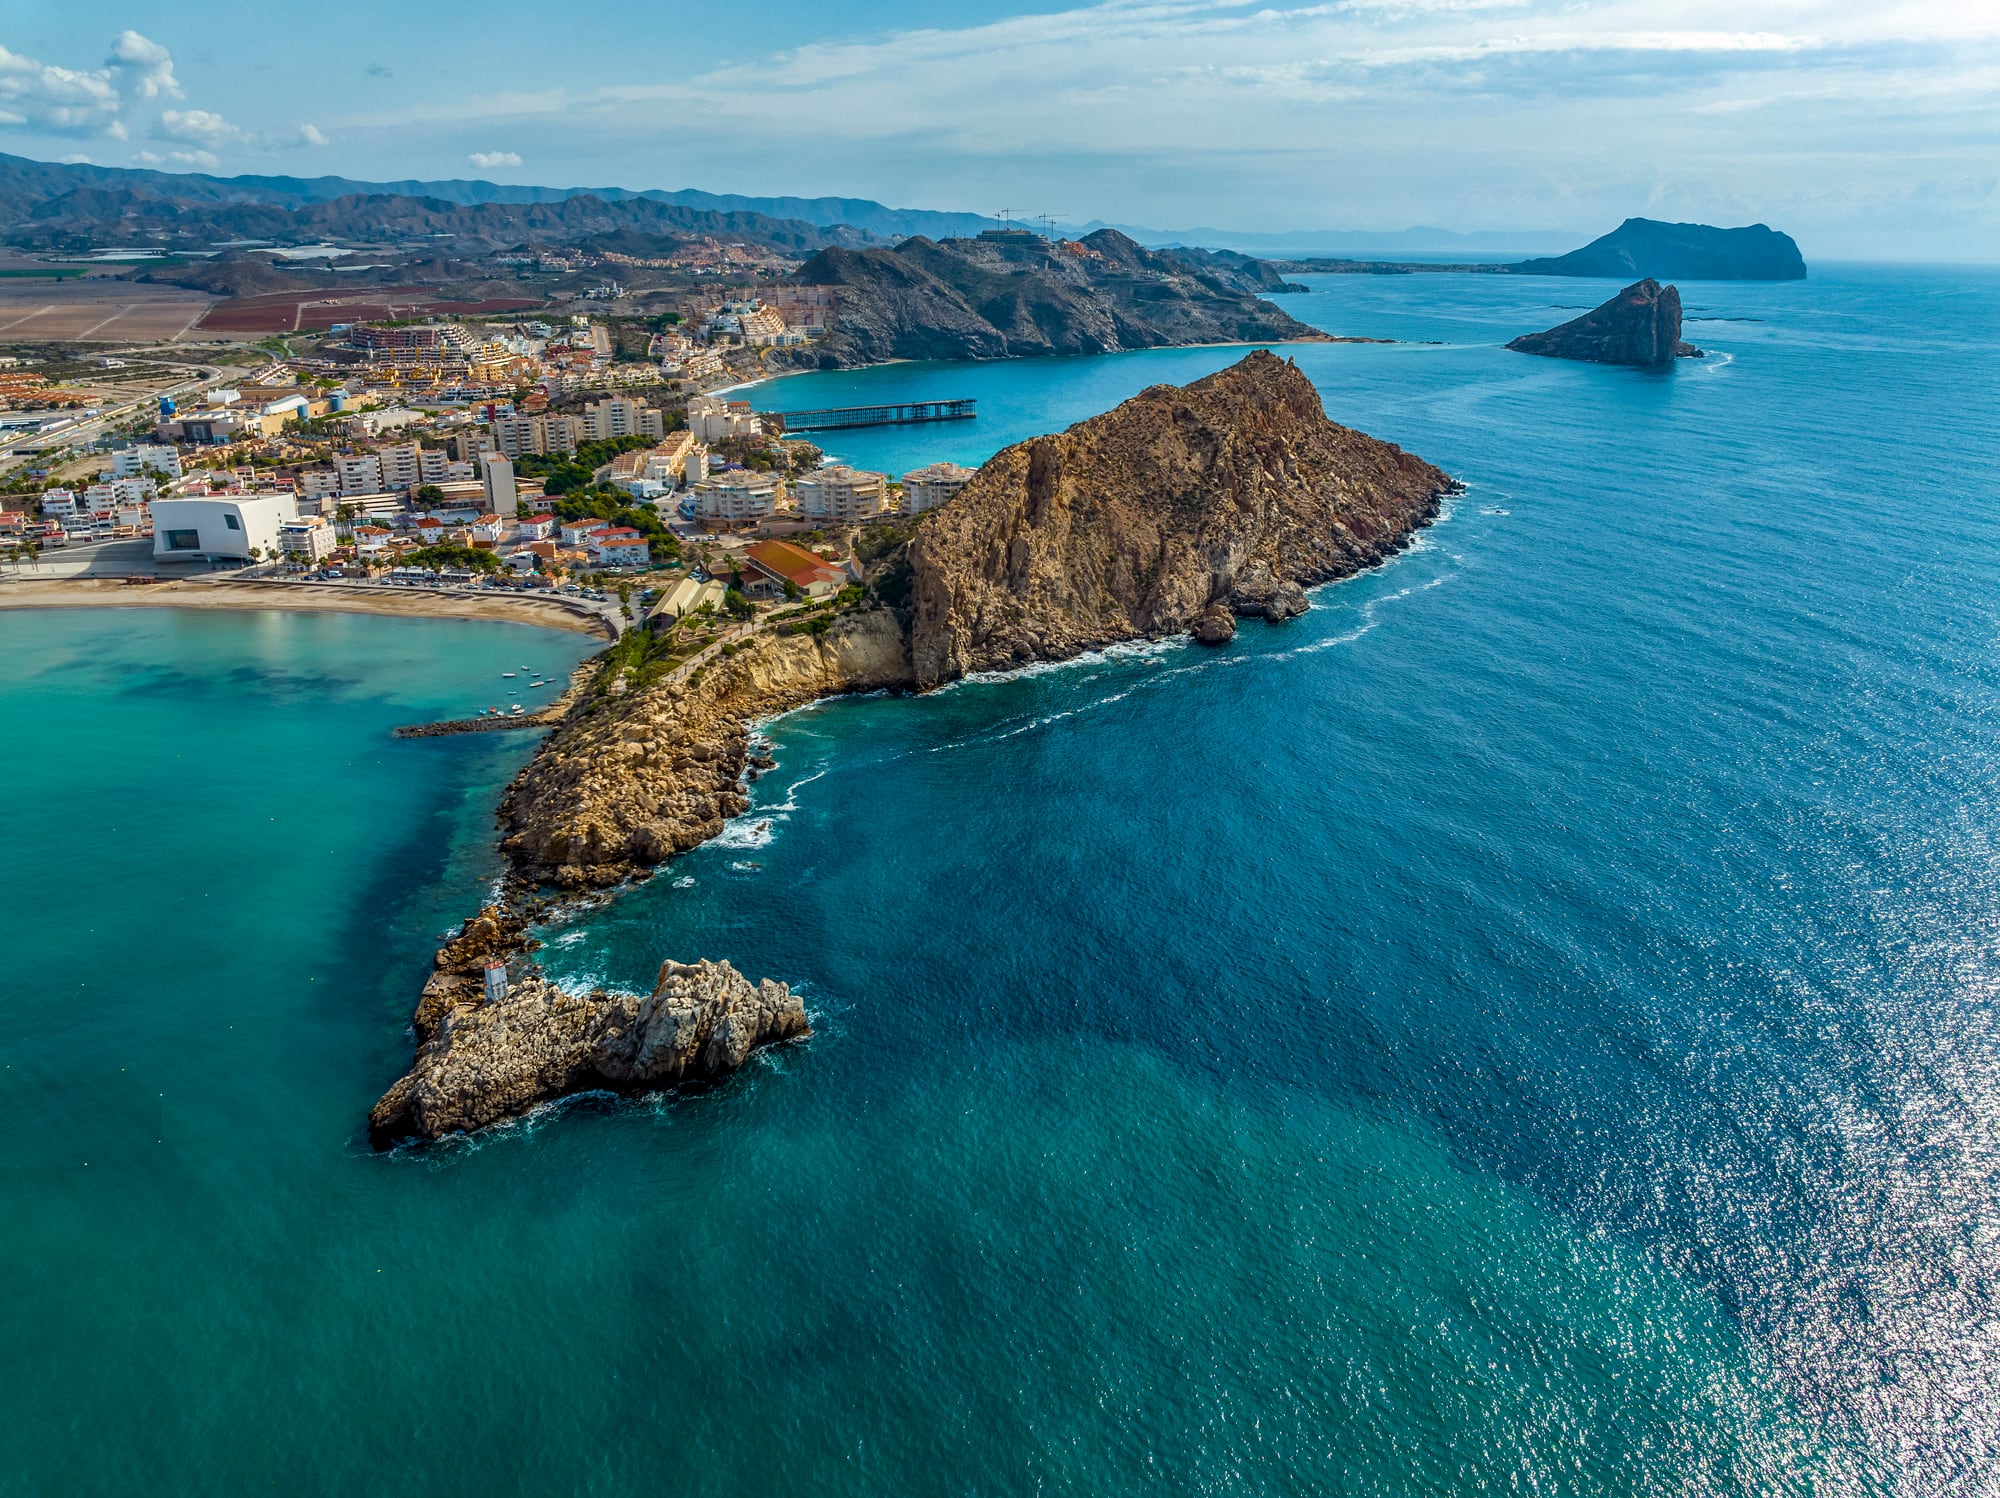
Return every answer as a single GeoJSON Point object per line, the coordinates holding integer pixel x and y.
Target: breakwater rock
{"type": "Point", "coordinates": [1234, 490]}
{"type": "Point", "coordinates": [1640, 325]}
{"type": "Point", "coordinates": [484, 1059]}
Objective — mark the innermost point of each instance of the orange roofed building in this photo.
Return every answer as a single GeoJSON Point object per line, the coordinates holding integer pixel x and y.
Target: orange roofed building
{"type": "Point", "coordinates": [769, 565]}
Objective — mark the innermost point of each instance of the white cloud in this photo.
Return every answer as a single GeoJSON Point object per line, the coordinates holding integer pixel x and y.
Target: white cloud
{"type": "Point", "coordinates": [310, 135]}
{"type": "Point", "coordinates": [205, 161]}
{"type": "Point", "coordinates": [487, 160]}
{"type": "Point", "coordinates": [200, 126]}
{"type": "Point", "coordinates": [145, 67]}
{"type": "Point", "coordinates": [64, 101]}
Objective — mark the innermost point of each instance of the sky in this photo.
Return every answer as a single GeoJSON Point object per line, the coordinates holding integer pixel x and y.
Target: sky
{"type": "Point", "coordinates": [1867, 130]}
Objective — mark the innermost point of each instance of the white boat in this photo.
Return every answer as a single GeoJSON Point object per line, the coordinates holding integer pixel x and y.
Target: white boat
{"type": "Point", "coordinates": [506, 674]}
{"type": "Point", "coordinates": [517, 707]}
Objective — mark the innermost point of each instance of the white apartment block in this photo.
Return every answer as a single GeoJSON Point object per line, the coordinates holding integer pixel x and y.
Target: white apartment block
{"type": "Point", "coordinates": [308, 536]}
{"type": "Point", "coordinates": [737, 496]}
{"type": "Point", "coordinates": [434, 465]}
{"type": "Point", "coordinates": [713, 419]}
{"type": "Point", "coordinates": [515, 436]}
{"type": "Point", "coordinates": [131, 462]}
{"type": "Point", "coordinates": [360, 473]}
{"type": "Point", "coordinates": [928, 487]}
{"type": "Point", "coordinates": [402, 467]}
{"type": "Point", "coordinates": [319, 483]}
{"type": "Point", "coordinates": [618, 417]}
{"type": "Point", "coordinates": [841, 493]}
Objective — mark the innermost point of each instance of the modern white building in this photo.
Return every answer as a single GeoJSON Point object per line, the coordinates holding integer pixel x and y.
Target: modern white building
{"type": "Point", "coordinates": [135, 462]}
{"type": "Point", "coordinates": [928, 487]}
{"type": "Point", "coordinates": [737, 496]}
{"type": "Point", "coordinates": [307, 536]}
{"type": "Point", "coordinates": [841, 494]}
{"type": "Point", "coordinates": [218, 528]}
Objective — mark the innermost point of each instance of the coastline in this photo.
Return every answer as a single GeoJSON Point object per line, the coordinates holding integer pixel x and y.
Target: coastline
{"type": "Point", "coordinates": [415, 603]}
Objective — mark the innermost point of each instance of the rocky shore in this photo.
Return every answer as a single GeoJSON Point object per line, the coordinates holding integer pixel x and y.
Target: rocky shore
{"type": "Point", "coordinates": [1179, 512]}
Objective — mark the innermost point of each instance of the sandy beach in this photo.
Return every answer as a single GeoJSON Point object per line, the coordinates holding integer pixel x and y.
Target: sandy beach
{"type": "Point", "coordinates": [32, 593]}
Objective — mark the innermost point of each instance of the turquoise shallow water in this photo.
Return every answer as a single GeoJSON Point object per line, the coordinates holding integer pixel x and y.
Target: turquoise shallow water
{"type": "Point", "coordinates": [1527, 1025]}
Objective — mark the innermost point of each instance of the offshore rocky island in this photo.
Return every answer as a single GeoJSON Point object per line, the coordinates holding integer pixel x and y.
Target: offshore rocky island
{"type": "Point", "coordinates": [1173, 514]}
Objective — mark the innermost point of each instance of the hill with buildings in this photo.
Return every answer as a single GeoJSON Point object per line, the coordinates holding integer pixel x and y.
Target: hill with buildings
{"type": "Point", "coordinates": [1009, 292]}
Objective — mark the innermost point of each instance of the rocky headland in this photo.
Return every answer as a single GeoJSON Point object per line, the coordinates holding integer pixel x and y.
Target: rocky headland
{"type": "Point", "coordinates": [1640, 325]}
{"type": "Point", "coordinates": [1176, 513]}
{"type": "Point", "coordinates": [1689, 252]}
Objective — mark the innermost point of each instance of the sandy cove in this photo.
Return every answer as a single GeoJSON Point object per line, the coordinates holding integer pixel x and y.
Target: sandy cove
{"type": "Point", "coordinates": [421, 603]}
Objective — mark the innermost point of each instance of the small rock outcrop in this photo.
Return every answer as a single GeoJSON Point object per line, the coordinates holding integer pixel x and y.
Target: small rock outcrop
{"type": "Point", "coordinates": [1235, 490]}
{"type": "Point", "coordinates": [1215, 625]}
{"type": "Point", "coordinates": [1640, 325]}
{"type": "Point", "coordinates": [484, 1059]}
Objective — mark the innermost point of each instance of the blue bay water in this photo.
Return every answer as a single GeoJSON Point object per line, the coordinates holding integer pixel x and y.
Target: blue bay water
{"type": "Point", "coordinates": [1528, 1023]}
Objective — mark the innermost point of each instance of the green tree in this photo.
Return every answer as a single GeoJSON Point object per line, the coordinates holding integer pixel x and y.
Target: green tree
{"type": "Point", "coordinates": [738, 603]}
{"type": "Point", "coordinates": [429, 496]}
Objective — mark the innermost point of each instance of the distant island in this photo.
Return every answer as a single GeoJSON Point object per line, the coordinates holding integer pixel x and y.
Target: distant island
{"type": "Point", "coordinates": [1688, 252]}
{"type": "Point", "coordinates": [1640, 325]}
{"type": "Point", "coordinates": [1638, 247]}
{"type": "Point", "coordinates": [1179, 510]}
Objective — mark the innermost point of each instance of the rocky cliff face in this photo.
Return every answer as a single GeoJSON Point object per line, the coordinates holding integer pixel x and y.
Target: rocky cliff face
{"type": "Point", "coordinates": [634, 778]}
{"type": "Point", "coordinates": [1234, 491]}
{"type": "Point", "coordinates": [1640, 325]}
{"type": "Point", "coordinates": [998, 298]}
{"type": "Point", "coordinates": [480, 1061]}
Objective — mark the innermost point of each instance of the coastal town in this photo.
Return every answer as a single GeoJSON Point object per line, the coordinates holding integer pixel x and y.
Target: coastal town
{"type": "Point", "coordinates": [494, 453]}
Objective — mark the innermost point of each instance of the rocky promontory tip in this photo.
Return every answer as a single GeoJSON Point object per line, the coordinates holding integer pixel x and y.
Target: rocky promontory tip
{"type": "Point", "coordinates": [1640, 325]}
{"type": "Point", "coordinates": [492, 1048]}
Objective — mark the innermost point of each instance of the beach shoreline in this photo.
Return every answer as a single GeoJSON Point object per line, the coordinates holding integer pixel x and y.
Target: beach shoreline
{"type": "Point", "coordinates": [415, 603]}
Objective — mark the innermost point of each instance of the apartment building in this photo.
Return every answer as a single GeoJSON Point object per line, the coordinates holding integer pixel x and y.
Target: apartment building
{"type": "Point", "coordinates": [616, 417]}
{"type": "Point", "coordinates": [842, 494]}
{"type": "Point", "coordinates": [319, 483]}
{"type": "Point", "coordinates": [737, 497]}
{"type": "Point", "coordinates": [132, 462]}
{"type": "Point", "coordinates": [308, 536]}
{"type": "Point", "coordinates": [713, 419]}
{"type": "Point", "coordinates": [360, 473]}
{"type": "Point", "coordinates": [402, 467]}
{"type": "Point", "coordinates": [930, 486]}
{"type": "Point", "coordinates": [517, 436]}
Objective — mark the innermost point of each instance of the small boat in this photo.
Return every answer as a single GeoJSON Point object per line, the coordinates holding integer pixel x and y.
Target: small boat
{"type": "Point", "coordinates": [517, 707]}
{"type": "Point", "coordinates": [506, 674]}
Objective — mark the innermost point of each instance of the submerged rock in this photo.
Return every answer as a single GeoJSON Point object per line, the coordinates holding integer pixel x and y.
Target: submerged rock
{"type": "Point", "coordinates": [1640, 325]}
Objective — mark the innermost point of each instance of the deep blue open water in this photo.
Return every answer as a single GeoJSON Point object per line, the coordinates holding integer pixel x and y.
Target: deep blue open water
{"type": "Point", "coordinates": [1528, 1026]}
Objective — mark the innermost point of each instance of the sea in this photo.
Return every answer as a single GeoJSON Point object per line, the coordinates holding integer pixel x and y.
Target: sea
{"type": "Point", "coordinates": [1531, 1025]}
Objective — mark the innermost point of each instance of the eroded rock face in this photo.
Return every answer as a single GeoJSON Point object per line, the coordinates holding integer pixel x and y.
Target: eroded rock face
{"type": "Point", "coordinates": [1640, 325]}
{"type": "Point", "coordinates": [1214, 626]}
{"type": "Point", "coordinates": [632, 780]}
{"type": "Point", "coordinates": [484, 1061]}
{"type": "Point", "coordinates": [1234, 490]}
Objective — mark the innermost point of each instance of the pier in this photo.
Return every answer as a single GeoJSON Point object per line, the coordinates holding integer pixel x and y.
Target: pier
{"type": "Point", "coordinates": [835, 418]}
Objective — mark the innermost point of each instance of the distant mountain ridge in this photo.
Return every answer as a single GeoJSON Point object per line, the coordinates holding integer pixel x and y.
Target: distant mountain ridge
{"type": "Point", "coordinates": [26, 185]}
